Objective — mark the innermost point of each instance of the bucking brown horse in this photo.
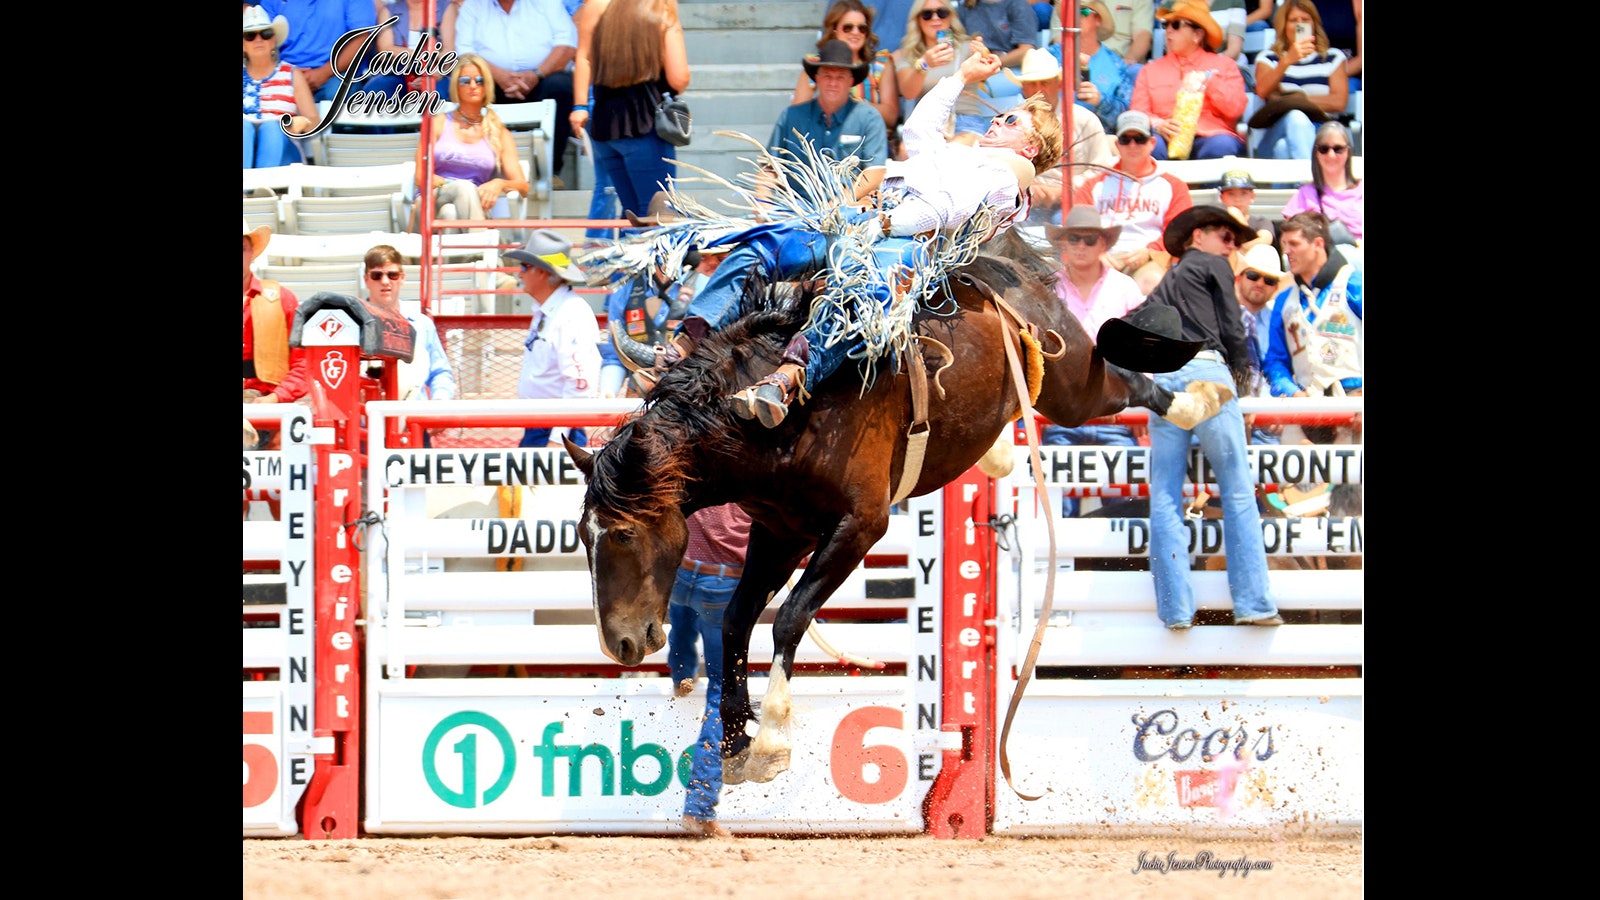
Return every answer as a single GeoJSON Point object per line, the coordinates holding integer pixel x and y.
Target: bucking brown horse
{"type": "Point", "coordinates": [821, 483]}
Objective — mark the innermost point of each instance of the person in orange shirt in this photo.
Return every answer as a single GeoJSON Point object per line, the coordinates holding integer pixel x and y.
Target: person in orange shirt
{"type": "Point", "coordinates": [273, 372]}
{"type": "Point", "coordinates": [1192, 39]}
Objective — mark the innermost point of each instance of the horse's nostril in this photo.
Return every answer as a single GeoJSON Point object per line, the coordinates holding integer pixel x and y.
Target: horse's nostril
{"type": "Point", "coordinates": [625, 650]}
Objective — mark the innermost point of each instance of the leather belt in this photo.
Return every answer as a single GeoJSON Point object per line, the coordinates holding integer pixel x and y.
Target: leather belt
{"type": "Point", "coordinates": [1212, 355]}
{"type": "Point", "coordinates": [726, 571]}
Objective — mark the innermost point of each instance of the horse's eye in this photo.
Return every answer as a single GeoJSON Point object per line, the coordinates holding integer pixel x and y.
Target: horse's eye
{"type": "Point", "coordinates": [622, 535]}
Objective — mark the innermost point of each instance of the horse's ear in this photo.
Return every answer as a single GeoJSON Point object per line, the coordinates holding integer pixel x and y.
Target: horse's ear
{"type": "Point", "coordinates": [583, 458]}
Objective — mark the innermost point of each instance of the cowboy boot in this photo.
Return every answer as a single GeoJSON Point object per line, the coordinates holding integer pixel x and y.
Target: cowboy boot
{"type": "Point", "coordinates": [768, 399]}
{"type": "Point", "coordinates": [675, 350]}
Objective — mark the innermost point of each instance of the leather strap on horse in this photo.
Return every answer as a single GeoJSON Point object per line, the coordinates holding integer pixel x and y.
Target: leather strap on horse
{"type": "Point", "coordinates": [1011, 320]}
{"type": "Point", "coordinates": [917, 432]}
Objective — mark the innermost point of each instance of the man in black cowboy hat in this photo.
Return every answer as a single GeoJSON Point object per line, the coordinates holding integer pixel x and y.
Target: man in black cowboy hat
{"type": "Point", "coordinates": [834, 123]}
{"type": "Point", "coordinates": [1195, 302]}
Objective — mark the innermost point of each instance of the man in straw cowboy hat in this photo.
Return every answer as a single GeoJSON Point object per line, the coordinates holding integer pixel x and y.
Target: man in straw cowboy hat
{"type": "Point", "coordinates": [273, 372]}
{"type": "Point", "coordinates": [1195, 303]}
{"type": "Point", "coordinates": [833, 123]}
{"type": "Point", "coordinates": [1093, 292]}
{"type": "Point", "coordinates": [561, 355]}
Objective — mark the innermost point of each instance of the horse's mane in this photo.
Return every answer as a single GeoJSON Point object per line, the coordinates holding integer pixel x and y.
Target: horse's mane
{"type": "Point", "coordinates": [643, 471]}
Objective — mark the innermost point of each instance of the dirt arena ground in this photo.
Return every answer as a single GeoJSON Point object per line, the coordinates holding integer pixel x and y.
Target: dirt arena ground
{"type": "Point", "coordinates": [1321, 866]}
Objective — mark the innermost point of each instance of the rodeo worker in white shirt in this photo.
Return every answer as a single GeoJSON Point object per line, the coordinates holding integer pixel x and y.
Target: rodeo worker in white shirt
{"type": "Point", "coordinates": [561, 355]}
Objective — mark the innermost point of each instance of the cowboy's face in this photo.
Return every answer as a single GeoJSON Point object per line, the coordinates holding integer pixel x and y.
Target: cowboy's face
{"type": "Point", "coordinates": [1082, 246]}
{"type": "Point", "coordinates": [1048, 88]}
{"type": "Point", "coordinates": [1254, 293]}
{"type": "Point", "coordinates": [1012, 130]}
{"type": "Point", "coordinates": [833, 86]}
{"type": "Point", "coordinates": [1306, 254]}
{"type": "Point", "coordinates": [1214, 239]}
{"type": "Point", "coordinates": [384, 282]}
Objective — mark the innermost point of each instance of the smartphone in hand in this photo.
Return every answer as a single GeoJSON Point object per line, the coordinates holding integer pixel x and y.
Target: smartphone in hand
{"type": "Point", "coordinates": [1302, 31]}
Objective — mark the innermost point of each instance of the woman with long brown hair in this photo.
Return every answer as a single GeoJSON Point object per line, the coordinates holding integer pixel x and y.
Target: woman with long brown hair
{"type": "Point", "coordinates": [851, 21]}
{"type": "Point", "coordinates": [632, 52]}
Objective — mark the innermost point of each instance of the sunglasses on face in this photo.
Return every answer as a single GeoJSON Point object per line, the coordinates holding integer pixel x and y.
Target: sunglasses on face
{"type": "Point", "coordinates": [1126, 139]}
{"type": "Point", "coordinates": [259, 35]}
{"type": "Point", "coordinates": [1325, 149]}
{"type": "Point", "coordinates": [1257, 276]}
{"type": "Point", "coordinates": [1088, 240]}
{"type": "Point", "coordinates": [1225, 236]}
{"type": "Point", "coordinates": [929, 14]}
{"type": "Point", "coordinates": [1178, 23]}
{"type": "Point", "coordinates": [1086, 12]}
{"type": "Point", "coordinates": [470, 79]}
{"type": "Point", "coordinates": [853, 28]}
{"type": "Point", "coordinates": [1006, 120]}
{"type": "Point", "coordinates": [377, 275]}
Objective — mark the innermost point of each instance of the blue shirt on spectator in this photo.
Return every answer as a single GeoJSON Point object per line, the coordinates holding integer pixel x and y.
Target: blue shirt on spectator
{"type": "Point", "coordinates": [857, 128]}
{"type": "Point", "coordinates": [315, 27]}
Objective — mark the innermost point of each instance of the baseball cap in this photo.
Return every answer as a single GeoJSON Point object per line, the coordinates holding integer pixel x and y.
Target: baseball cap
{"type": "Point", "coordinates": [1133, 120]}
{"type": "Point", "coordinates": [1236, 178]}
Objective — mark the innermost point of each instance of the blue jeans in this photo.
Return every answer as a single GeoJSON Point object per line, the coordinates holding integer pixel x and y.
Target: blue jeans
{"type": "Point", "coordinates": [540, 437]}
{"type": "Point", "coordinates": [603, 203]}
{"type": "Point", "coordinates": [1222, 440]}
{"type": "Point", "coordinates": [1213, 146]}
{"type": "Point", "coordinates": [1291, 137]}
{"type": "Point", "coordinates": [636, 168]}
{"type": "Point", "coordinates": [1107, 435]}
{"type": "Point", "coordinates": [779, 251]}
{"type": "Point", "coordinates": [266, 145]}
{"type": "Point", "coordinates": [697, 606]}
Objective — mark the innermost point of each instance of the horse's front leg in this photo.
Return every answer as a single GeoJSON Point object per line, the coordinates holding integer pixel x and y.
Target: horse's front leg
{"type": "Point", "coordinates": [768, 564]}
{"type": "Point", "coordinates": [836, 557]}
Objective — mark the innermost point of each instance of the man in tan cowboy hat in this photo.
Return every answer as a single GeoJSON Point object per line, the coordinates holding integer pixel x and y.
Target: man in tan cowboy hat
{"type": "Point", "coordinates": [1199, 291]}
{"type": "Point", "coordinates": [273, 373]}
{"type": "Point", "coordinates": [836, 125]}
{"type": "Point", "coordinates": [1093, 292]}
{"type": "Point", "coordinates": [561, 355]}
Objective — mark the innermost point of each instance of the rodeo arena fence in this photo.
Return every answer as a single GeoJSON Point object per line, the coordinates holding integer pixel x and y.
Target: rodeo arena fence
{"type": "Point", "coordinates": [421, 657]}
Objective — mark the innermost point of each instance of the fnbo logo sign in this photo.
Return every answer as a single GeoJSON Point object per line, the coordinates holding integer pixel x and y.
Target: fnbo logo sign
{"type": "Point", "coordinates": [547, 754]}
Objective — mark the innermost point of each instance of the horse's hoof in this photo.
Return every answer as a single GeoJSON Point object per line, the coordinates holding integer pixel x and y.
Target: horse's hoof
{"type": "Point", "coordinates": [705, 828]}
{"type": "Point", "coordinates": [733, 767]}
{"type": "Point", "coordinates": [1199, 402]}
{"type": "Point", "coordinates": [766, 768]}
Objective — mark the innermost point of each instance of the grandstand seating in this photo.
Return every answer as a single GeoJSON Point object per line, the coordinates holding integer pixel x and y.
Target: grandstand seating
{"type": "Point", "coordinates": [340, 278]}
{"type": "Point", "coordinates": [1202, 175]}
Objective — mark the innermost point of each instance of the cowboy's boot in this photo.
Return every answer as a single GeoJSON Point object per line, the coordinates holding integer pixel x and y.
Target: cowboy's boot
{"type": "Point", "coordinates": [768, 399]}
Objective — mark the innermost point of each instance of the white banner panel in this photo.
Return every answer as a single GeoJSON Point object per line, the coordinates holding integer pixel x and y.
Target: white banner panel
{"type": "Point", "coordinates": [578, 756]}
{"type": "Point", "coordinates": [1228, 754]}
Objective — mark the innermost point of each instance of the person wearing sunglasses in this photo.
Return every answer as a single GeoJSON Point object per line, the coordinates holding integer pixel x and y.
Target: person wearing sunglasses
{"type": "Point", "coordinates": [1135, 195]}
{"type": "Point", "coordinates": [475, 160]}
{"type": "Point", "coordinates": [1093, 292]}
{"type": "Point", "coordinates": [1334, 190]}
{"type": "Point", "coordinates": [272, 89]}
{"type": "Point", "coordinates": [851, 21]}
{"type": "Point", "coordinates": [935, 44]}
{"type": "Point", "coordinates": [428, 376]}
{"type": "Point", "coordinates": [318, 26]}
{"type": "Point", "coordinates": [1193, 37]}
{"type": "Point", "coordinates": [1257, 284]}
{"type": "Point", "coordinates": [1195, 302]}
{"type": "Point", "coordinates": [1317, 333]}
{"type": "Point", "coordinates": [1108, 89]}
{"type": "Point", "coordinates": [561, 355]}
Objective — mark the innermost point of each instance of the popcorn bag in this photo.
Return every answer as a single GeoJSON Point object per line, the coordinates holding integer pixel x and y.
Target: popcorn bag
{"type": "Point", "coordinates": [1186, 113]}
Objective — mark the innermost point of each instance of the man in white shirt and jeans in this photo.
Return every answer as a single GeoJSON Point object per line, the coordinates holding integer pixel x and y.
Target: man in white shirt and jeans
{"type": "Point", "coordinates": [561, 356]}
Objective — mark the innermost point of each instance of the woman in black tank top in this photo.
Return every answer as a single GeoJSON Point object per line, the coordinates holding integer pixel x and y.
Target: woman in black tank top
{"type": "Point", "coordinates": [631, 52]}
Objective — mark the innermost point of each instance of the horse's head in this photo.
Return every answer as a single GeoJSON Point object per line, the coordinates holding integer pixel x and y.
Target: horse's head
{"type": "Point", "coordinates": [634, 534]}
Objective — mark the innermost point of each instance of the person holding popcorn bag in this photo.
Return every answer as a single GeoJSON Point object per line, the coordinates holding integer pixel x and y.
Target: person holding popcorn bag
{"type": "Point", "coordinates": [1193, 95]}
